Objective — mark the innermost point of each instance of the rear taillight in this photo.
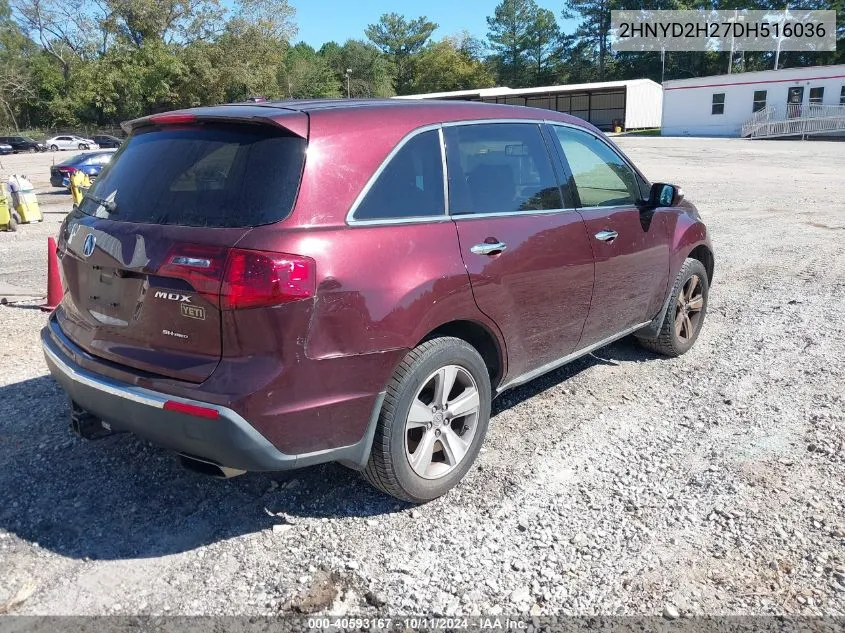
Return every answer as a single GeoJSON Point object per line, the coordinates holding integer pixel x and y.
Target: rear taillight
{"type": "Point", "coordinates": [238, 278]}
{"type": "Point", "coordinates": [67, 170]}
{"type": "Point", "coordinates": [259, 278]}
{"type": "Point", "coordinates": [200, 265]}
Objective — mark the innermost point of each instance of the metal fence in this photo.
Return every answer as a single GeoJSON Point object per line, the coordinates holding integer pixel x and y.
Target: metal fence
{"type": "Point", "coordinates": [795, 120]}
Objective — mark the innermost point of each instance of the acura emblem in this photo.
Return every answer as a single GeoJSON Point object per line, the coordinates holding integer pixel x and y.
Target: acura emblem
{"type": "Point", "coordinates": [88, 246]}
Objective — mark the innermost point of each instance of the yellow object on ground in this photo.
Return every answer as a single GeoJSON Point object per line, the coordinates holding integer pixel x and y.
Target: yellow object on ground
{"type": "Point", "coordinates": [27, 207]}
{"type": "Point", "coordinates": [79, 183]}
{"type": "Point", "coordinates": [7, 222]}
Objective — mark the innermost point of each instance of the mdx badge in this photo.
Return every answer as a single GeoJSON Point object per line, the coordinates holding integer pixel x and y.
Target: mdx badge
{"type": "Point", "coordinates": [172, 296]}
{"type": "Point", "coordinates": [88, 245]}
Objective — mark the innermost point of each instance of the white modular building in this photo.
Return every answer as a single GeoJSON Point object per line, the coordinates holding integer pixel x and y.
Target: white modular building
{"type": "Point", "coordinates": [721, 105]}
{"type": "Point", "coordinates": [632, 104]}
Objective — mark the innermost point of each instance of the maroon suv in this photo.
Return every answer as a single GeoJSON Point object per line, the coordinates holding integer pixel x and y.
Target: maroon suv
{"type": "Point", "coordinates": [269, 286]}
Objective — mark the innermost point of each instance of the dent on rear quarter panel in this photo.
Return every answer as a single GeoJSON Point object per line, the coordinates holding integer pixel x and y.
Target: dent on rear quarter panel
{"type": "Point", "coordinates": [387, 287]}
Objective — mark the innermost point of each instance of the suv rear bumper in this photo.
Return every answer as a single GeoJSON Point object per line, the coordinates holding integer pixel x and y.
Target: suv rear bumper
{"type": "Point", "coordinates": [228, 440]}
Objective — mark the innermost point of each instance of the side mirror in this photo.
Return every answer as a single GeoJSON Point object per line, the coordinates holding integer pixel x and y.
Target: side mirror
{"type": "Point", "coordinates": [665, 195]}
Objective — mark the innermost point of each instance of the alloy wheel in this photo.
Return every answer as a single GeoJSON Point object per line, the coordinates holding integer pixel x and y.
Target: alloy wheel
{"type": "Point", "coordinates": [442, 422]}
{"type": "Point", "coordinates": [688, 309]}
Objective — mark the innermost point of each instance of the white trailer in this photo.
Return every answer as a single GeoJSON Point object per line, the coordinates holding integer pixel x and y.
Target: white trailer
{"type": "Point", "coordinates": [720, 105]}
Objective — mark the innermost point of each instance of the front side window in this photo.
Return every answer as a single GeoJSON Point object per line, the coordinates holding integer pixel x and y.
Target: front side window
{"type": "Point", "coordinates": [411, 185]}
{"type": "Point", "coordinates": [816, 96]}
{"type": "Point", "coordinates": [759, 100]}
{"type": "Point", "coordinates": [718, 106]}
{"type": "Point", "coordinates": [601, 177]}
{"type": "Point", "coordinates": [499, 168]}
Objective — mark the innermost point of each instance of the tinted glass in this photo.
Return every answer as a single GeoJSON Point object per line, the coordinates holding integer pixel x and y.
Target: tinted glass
{"type": "Point", "coordinates": [759, 100]}
{"type": "Point", "coordinates": [499, 168]}
{"type": "Point", "coordinates": [601, 177]}
{"type": "Point", "coordinates": [411, 185]}
{"type": "Point", "coordinates": [816, 95]}
{"type": "Point", "coordinates": [209, 175]}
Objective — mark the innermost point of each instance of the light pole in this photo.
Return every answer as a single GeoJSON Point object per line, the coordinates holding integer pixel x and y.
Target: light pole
{"type": "Point", "coordinates": [348, 88]}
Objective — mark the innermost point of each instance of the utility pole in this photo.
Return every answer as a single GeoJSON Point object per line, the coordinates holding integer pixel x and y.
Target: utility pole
{"type": "Point", "coordinates": [662, 63]}
{"type": "Point", "coordinates": [348, 83]}
{"type": "Point", "coordinates": [777, 53]}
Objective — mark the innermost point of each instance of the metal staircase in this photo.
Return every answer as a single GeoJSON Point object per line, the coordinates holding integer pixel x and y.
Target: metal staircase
{"type": "Point", "coordinates": [795, 120]}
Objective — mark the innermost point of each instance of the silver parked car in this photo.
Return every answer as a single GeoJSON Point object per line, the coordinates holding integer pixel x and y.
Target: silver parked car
{"type": "Point", "coordinates": [69, 141]}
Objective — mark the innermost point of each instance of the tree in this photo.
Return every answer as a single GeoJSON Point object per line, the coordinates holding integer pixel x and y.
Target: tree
{"type": "Point", "coordinates": [543, 46]}
{"type": "Point", "coordinates": [371, 73]}
{"type": "Point", "coordinates": [509, 36]}
{"type": "Point", "coordinates": [446, 65]}
{"type": "Point", "coordinates": [305, 74]}
{"type": "Point", "coordinates": [401, 40]}
{"type": "Point", "coordinates": [594, 29]}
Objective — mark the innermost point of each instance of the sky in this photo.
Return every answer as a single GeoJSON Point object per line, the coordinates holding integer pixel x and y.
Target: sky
{"type": "Point", "coordinates": [322, 21]}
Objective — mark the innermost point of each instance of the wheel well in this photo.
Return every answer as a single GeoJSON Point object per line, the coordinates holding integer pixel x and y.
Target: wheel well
{"type": "Point", "coordinates": [705, 256]}
{"type": "Point", "coordinates": [480, 338]}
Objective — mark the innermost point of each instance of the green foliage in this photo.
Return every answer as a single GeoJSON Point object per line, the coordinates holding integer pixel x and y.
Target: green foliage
{"type": "Point", "coordinates": [95, 63]}
{"type": "Point", "coordinates": [450, 65]}
{"type": "Point", "coordinates": [401, 40]}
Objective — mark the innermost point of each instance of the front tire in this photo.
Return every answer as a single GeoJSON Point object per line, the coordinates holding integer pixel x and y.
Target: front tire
{"type": "Point", "coordinates": [685, 315]}
{"type": "Point", "coordinates": [54, 148]}
{"type": "Point", "coordinates": [433, 421]}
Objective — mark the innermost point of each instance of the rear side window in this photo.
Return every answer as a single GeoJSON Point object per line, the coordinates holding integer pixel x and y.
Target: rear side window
{"type": "Point", "coordinates": [410, 185]}
{"type": "Point", "coordinates": [499, 168]}
{"type": "Point", "coordinates": [205, 175]}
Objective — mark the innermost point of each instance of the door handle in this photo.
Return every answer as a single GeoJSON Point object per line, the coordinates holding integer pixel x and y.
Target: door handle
{"type": "Point", "coordinates": [488, 249]}
{"type": "Point", "coordinates": [607, 236]}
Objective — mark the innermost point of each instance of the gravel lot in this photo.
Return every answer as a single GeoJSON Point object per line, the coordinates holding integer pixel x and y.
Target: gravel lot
{"type": "Point", "coordinates": [621, 484]}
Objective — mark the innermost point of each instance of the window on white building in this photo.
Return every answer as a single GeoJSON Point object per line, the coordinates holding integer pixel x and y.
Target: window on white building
{"type": "Point", "coordinates": [759, 100]}
{"type": "Point", "coordinates": [842, 96]}
{"type": "Point", "coordinates": [816, 96]}
{"type": "Point", "coordinates": [718, 106]}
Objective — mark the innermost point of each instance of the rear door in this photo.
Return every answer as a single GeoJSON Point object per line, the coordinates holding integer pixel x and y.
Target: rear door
{"type": "Point", "coordinates": [524, 246]}
{"type": "Point", "coordinates": [143, 257]}
{"type": "Point", "coordinates": [631, 246]}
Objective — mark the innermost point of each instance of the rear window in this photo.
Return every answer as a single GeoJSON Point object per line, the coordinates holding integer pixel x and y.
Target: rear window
{"type": "Point", "coordinates": [204, 175]}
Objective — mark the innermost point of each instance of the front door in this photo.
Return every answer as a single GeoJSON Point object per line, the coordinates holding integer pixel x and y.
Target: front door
{"type": "Point", "coordinates": [630, 247]}
{"type": "Point", "coordinates": [526, 251]}
{"type": "Point", "coordinates": [794, 99]}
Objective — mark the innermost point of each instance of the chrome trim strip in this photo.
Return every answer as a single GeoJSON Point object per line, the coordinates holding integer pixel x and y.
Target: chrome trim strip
{"type": "Point", "coordinates": [535, 373]}
{"type": "Point", "coordinates": [424, 219]}
{"type": "Point", "coordinates": [136, 394]}
{"type": "Point", "coordinates": [350, 216]}
{"type": "Point", "coordinates": [499, 214]}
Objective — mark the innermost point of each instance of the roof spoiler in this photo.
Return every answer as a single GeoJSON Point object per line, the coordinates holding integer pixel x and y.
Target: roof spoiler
{"type": "Point", "coordinates": [293, 121]}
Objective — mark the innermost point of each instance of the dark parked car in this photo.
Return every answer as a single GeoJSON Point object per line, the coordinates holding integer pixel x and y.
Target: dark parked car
{"type": "Point", "coordinates": [5, 149]}
{"type": "Point", "coordinates": [91, 163]}
{"type": "Point", "coordinates": [269, 286]}
{"type": "Point", "coordinates": [106, 141]}
{"type": "Point", "coordinates": [23, 144]}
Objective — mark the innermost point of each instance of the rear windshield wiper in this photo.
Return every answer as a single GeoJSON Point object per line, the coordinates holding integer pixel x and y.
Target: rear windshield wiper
{"type": "Point", "coordinates": [109, 205]}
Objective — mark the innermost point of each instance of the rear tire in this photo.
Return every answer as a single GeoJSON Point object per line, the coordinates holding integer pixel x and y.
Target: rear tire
{"type": "Point", "coordinates": [426, 440]}
{"type": "Point", "coordinates": [684, 317]}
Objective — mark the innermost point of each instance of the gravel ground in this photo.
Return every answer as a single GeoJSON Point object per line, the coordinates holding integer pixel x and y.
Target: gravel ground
{"type": "Point", "coordinates": [621, 484]}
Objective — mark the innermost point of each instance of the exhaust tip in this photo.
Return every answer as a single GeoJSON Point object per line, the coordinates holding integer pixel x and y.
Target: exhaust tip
{"type": "Point", "coordinates": [205, 467]}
